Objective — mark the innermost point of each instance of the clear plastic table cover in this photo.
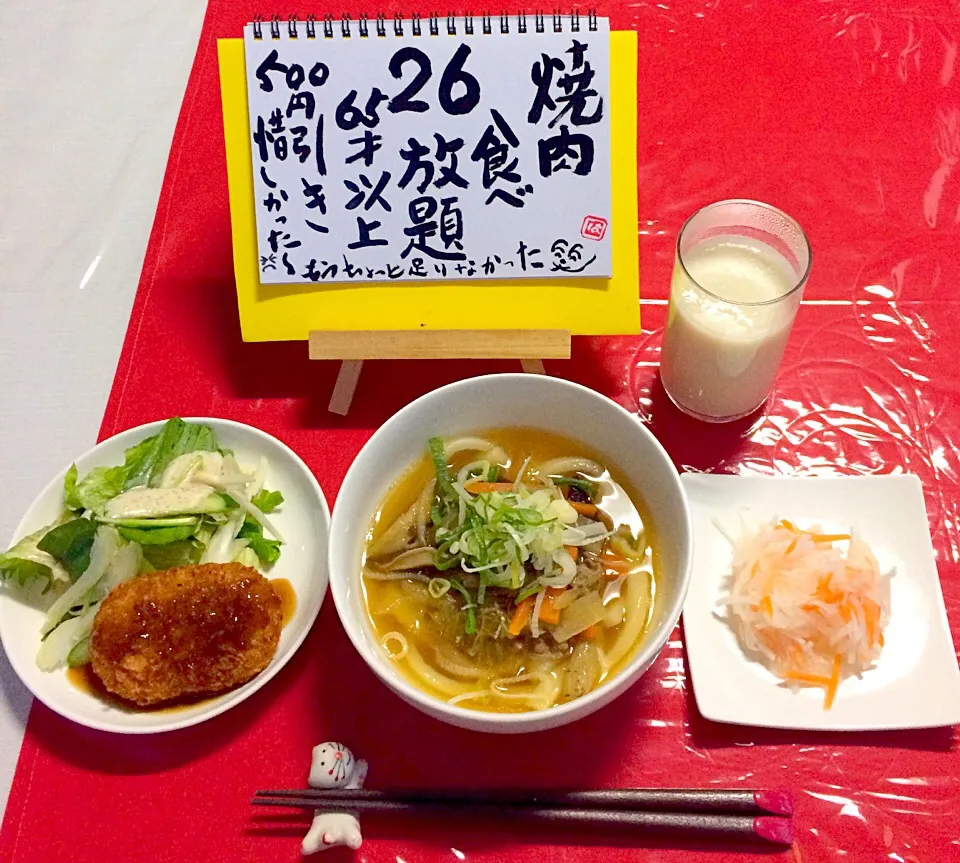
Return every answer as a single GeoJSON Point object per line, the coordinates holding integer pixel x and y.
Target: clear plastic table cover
{"type": "Point", "coordinates": [846, 116]}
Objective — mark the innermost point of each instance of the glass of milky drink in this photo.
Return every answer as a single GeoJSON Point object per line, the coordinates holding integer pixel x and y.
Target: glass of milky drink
{"type": "Point", "coordinates": [737, 282]}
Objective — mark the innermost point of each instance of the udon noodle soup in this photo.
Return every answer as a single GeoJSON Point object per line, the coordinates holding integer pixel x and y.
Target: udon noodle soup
{"type": "Point", "coordinates": [510, 571]}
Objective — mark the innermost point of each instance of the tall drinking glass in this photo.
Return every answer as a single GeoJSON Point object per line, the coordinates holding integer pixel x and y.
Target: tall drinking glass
{"type": "Point", "coordinates": [737, 282]}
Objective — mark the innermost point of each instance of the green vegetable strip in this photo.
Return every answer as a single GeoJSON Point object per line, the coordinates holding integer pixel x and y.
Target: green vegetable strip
{"type": "Point", "coordinates": [160, 521]}
{"type": "Point", "coordinates": [439, 455]}
{"type": "Point", "coordinates": [529, 590]}
{"type": "Point", "coordinates": [157, 535]}
{"type": "Point", "coordinates": [471, 625]}
{"type": "Point", "coordinates": [584, 485]}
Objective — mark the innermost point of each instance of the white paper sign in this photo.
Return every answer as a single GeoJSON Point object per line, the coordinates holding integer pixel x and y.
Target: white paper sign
{"type": "Point", "coordinates": [388, 157]}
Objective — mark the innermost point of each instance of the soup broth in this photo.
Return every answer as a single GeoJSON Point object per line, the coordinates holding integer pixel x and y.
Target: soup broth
{"type": "Point", "coordinates": [466, 618]}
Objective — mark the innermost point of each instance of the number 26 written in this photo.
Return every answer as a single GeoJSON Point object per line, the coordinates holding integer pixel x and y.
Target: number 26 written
{"type": "Point", "coordinates": [349, 116]}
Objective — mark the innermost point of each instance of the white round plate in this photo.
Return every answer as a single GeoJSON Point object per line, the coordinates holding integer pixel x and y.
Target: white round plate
{"type": "Point", "coordinates": [303, 520]}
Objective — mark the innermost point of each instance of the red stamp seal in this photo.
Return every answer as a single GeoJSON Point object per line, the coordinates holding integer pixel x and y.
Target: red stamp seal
{"type": "Point", "coordinates": [593, 228]}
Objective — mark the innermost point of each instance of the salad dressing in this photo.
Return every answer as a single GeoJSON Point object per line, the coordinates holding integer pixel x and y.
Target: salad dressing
{"type": "Point", "coordinates": [152, 502]}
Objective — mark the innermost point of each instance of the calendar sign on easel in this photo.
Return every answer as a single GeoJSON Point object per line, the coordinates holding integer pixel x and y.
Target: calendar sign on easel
{"type": "Point", "coordinates": [418, 177]}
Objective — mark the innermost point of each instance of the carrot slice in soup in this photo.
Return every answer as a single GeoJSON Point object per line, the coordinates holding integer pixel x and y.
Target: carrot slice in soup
{"type": "Point", "coordinates": [521, 616]}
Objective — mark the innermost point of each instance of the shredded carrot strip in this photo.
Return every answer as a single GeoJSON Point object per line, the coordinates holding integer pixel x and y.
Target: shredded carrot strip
{"type": "Point", "coordinates": [591, 632]}
{"type": "Point", "coordinates": [521, 616]}
{"type": "Point", "coordinates": [766, 605]}
{"type": "Point", "coordinates": [826, 593]}
{"type": "Point", "coordinates": [615, 570]}
{"type": "Point", "coordinates": [587, 509]}
{"type": "Point", "coordinates": [803, 677]}
{"type": "Point", "coordinates": [834, 682]}
{"type": "Point", "coordinates": [871, 614]}
{"type": "Point", "coordinates": [573, 551]}
{"type": "Point", "coordinates": [615, 565]}
{"type": "Point", "coordinates": [477, 486]}
{"type": "Point", "coordinates": [816, 537]}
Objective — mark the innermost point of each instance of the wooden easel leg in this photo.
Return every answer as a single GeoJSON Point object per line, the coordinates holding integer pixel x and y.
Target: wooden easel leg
{"type": "Point", "coordinates": [533, 367]}
{"type": "Point", "coordinates": [346, 385]}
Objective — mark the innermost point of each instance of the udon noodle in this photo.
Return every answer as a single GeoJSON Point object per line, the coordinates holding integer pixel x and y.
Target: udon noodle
{"type": "Point", "coordinates": [510, 571]}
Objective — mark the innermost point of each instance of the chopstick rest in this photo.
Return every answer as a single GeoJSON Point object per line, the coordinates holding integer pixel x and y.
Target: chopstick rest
{"type": "Point", "coordinates": [334, 768]}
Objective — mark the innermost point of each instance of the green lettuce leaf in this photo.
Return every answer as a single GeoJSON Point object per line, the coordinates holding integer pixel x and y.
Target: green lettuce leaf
{"type": "Point", "coordinates": [70, 543]}
{"type": "Point", "coordinates": [137, 462]}
{"type": "Point", "coordinates": [96, 487]}
{"type": "Point", "coordinates": [143, 464]}
{"type": "Point", "coordinates": [268, 550]}
{"type": "Point", "coordinates": [148, 460]}
{"type": "Point", "coordinates": [172, 554]}
{"type": "Point", "coordinates": [248, 557]}
{"type": "Point", "coordinates": [70, 499]}
{"type": "Point", "coordinates": [267, 501]}
{"type": "Point", "coordinates": [25, 573]}
{"type": "Point", "coordinates": [27, 567]}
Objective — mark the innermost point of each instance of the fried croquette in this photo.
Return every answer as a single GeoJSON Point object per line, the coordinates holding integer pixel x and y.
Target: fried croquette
{"type": "Point", "coordinates": [187, 631]}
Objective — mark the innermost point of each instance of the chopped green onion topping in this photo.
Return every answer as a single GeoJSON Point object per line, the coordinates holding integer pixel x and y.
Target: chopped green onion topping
{"type": "Point", "coordinates": [471, 624]}
{"type": "Point", "coordinates": [438, 587]}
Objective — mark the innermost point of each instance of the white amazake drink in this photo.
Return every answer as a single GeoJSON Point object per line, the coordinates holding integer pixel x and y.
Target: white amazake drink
{"type": "Point", "coordinates": [732, 304]}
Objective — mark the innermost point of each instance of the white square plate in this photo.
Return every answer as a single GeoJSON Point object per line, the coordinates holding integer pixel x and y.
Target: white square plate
{"type": "Point", "coordinates": [916, 681]}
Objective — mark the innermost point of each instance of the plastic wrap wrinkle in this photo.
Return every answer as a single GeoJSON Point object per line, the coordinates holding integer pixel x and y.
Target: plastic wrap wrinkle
{"type": "Point", "coordinates": [846, 116]}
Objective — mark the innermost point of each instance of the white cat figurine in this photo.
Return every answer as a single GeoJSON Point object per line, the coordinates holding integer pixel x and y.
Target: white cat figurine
{"type": "Point", "coordinates": [334, 766]}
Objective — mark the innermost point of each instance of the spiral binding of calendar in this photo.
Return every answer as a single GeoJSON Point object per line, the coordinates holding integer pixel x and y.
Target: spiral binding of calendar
{"type": "Point", "coordinates": [328, 27]}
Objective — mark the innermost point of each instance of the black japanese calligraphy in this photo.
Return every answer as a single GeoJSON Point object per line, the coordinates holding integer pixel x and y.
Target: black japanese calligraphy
{"type": "Point", "coordinates": [365, 229]}
{"type": "Point", "coordinates": [575, 89]}
{"type": "Point", "coordinates": [367, 193]}
{"type": "Point", "coordinates": [369, 143]}
{"type": "Point", "coordinates": [429, 158]}
{"type": "Point", "coordinates": [304, 101]}
{"type": "Point", "coordinates": [449, 226]}
{"type": "Point", "coordinates": [565, 152]}
{"type": "Point", "coordinates": [493, 151]}
{"type": "Point", "coordinates": [446, 151]}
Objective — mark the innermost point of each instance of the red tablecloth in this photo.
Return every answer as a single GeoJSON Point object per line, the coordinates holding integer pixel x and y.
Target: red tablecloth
{"type": "Point", "coordinates": [847, 118]}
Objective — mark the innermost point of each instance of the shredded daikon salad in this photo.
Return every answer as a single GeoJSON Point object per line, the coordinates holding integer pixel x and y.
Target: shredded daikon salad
{"type": "Point", "coordinates": [811, 605]}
